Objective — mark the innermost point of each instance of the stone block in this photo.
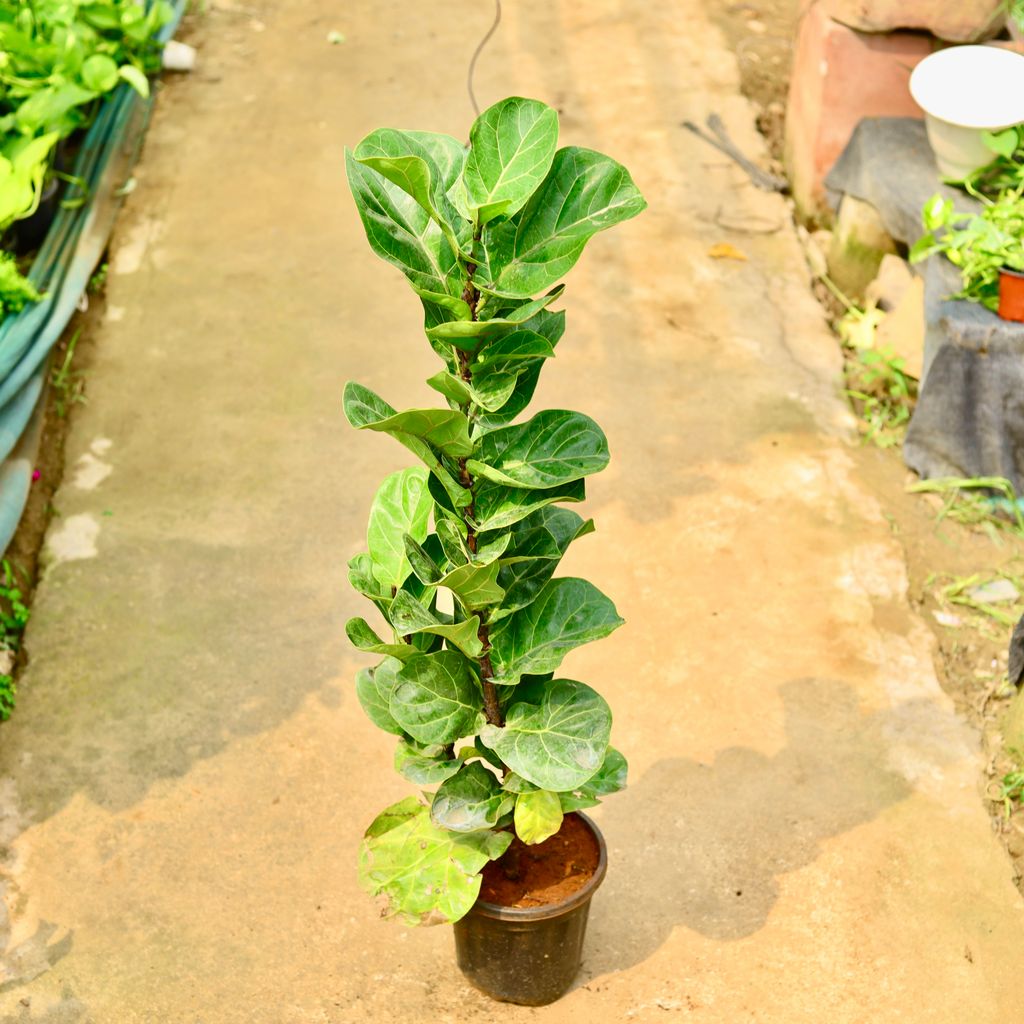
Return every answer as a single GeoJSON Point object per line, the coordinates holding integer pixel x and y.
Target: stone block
{"type": "Point", "coordinates": [902, 330]}
{"type": "Point", "coordinates": [840, 76]}
{"type": "Point", "coordinates": [859, 242]}
{"type": "Point", "coordinates": [957, 21]}
{"type": "Point", "coordinates": [888, 288]}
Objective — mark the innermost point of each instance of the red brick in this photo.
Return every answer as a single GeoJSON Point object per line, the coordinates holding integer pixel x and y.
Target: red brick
{"type": "Point", "coordinates": [840, 76]}
{"type": "Point", "coordinates": [958, 21]}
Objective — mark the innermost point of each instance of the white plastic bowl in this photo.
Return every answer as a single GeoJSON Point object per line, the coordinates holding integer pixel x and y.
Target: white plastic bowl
{"type": "Point", "coordinates": [964, 90]}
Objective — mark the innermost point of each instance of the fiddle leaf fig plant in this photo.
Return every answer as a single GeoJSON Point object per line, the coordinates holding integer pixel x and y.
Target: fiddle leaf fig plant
{"type": "Point", "coordinates": [462, 550]}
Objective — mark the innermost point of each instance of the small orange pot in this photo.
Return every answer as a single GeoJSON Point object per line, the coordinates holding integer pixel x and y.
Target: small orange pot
{"type": "Point", "coordinates": [1011, 294]}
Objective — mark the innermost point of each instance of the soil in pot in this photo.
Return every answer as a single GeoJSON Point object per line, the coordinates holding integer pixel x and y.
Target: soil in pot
{"type": "Point", "coordinates": [545, 874]}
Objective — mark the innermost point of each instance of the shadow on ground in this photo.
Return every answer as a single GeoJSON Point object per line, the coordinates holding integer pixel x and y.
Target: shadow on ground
{"type": "Point", "coordinates": [702, 846]}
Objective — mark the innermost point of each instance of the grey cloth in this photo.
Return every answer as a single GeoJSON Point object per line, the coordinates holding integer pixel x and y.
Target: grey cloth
{"type": "Point", "coordinates": [969, 419]}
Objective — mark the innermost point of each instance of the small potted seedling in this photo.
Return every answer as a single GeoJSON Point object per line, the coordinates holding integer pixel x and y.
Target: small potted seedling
{"type": "Point", "coordinates": [463, 550]}
{"type": "Point", "coordinates": [987, 247]}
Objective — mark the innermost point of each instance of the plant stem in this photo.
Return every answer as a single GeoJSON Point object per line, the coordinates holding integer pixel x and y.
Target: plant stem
{"type": "Point", "coordinates": [492, 707]}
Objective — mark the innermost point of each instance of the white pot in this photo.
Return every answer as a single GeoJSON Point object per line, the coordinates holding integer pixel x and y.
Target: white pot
{"type": "Point", "coordinates": [964, 90]}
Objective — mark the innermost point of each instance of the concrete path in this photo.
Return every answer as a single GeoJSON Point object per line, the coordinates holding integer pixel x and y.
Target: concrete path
{"type": "Point", "coordinates": [188, 774]}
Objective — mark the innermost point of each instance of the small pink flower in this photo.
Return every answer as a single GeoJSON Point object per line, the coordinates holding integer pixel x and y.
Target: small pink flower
{"type": "Point", "coordinates": [36, 474]}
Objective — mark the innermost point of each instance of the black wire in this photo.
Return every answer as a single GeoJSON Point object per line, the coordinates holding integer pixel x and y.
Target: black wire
{"type": "Point", "coordinates": [480, 46]}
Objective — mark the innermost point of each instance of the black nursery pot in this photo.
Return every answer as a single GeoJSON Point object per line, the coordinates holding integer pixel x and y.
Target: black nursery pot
{"type": "Point", "coordinates": [532, 955]}
{"type": "Point", "coordinates": [31, 231]}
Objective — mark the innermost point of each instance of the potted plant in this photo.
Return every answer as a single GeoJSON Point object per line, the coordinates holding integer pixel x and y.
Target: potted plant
{"type": "Point", "coordinates": [462, 551]}
{"type": "Point", "coordinates": [988, 248]}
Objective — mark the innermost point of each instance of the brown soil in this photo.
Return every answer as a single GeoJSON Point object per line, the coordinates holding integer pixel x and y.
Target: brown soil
{"type": "Point", "coordinates": [545, 874]}
{"type": "Point", "coordinates": [23, 550]}
{"type": "Point", "coordinates": [762, 34]}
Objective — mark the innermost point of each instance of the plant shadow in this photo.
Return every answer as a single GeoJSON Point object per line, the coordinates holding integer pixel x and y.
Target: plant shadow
{"type": "Point", "coordinates": [703, 846]}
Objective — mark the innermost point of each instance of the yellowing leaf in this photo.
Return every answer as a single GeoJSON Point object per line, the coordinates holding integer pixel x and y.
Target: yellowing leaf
{"type": "Point", "coordinates": [726, 251]}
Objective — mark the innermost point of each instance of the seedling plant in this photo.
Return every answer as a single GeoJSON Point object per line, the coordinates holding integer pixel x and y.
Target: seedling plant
{"type": "Point", "coordinates": [978, 244]}
{"type": "Point", "coordinates": [468, 682]}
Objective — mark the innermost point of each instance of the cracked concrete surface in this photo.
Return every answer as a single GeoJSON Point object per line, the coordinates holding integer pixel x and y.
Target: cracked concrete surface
{"type": "Point", "coordinates": [188, 774]}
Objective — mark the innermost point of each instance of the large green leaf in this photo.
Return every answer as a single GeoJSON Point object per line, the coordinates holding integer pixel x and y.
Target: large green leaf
{"type": "Point", "coordinates": [400, 231]}
{"type": "Point", "coordinates": [557, 744]}
{"type": "Point", "coordinates": [404, 159]}
{"type": "Point", "coordinates": [425, 766]}
{"type": "Point", "coordinates": [426, 875]}
{"type": "Point", "coordinates": [537, 545]}
{"type": "Point", "coordinates": [409, 617]}
{"type": "Point", "coordinates": [512, 145]}
{"type": "Point", "coordinates": [538, 816]}
{"type": "Point", "coordinates": [583, 193]}
{"type": "Point", "coordinates": [447, 430]}
{"type": "Point", "coordinates": [553, 448]}
{"type": "Point", "coordinates": [497, 506]}
{"type": "Point", "coordinates": [401, 506]}
{"type": "Point", "coordinates": [565, 614]}
{"type": "Point", "coordinates": [470, 800]}
{"type": "Point", "coordinates": [373, 690]}
{"type": "Point", "coordinates": [368, 411]}
{"type": "Point", "coordinates": [436, 698]}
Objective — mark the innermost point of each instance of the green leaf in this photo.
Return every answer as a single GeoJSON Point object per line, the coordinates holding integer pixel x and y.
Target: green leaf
{"type": "Point", "coordinates": [365, 410]}
{"type": "Point", "coordinates": [553, 448]}
{"type": "Point", "coordinates": [447, 430]}
{"type": "Point", "coordinates": [427, 571]}
{"type": "Point", "coordinates": [489, 391]}
{"type": "Point", "coordinates": [513, 783]}
{"type": "Point", "coordinates": [423, 768]}
{"type": "Point", "coordinates": [401, 506]}
{"type": "Point", "coordinates": [362, 637]}
{"type": "Point", "coordinates": [536, 547]}
{"type": "Point", "coordinates": [566, 614]}
{"type": "Point", "coordinates": [558, 744]}
{"type": "Point", "coordinates": [374, 687]}
{"type": "Point", "coordinates": [452, 387]}
{"type": "Point", "coordinates": [512, 145]}
{"type": "Point", "coordinates": [403, 159]}
{"type": "Point", "coordinates": [436, 698]}
{"type": "Point", "coordinates": [409, 617]}
{"type": "Point", "coordinates": [551, 326]}
{"type": "Point", "coordinates": [469, 801]}
{"type": "Point", "coordinates": [610, 778]}
{"type": "Point", "coordinates": [538, 816]}
{"type": "Point", "coordinates": [583, 193]}
{"type": "Point", "coordinates": [426, 875]}
{"type": "Point", "coordinates": [99, 73]}
{"type": "Point", "coordinates": [48, 107]}
{"type": "Point", "coordinates": [476, 586]}
{"type": "Point", "coordinates": [1004, 143]}
{"type": "Point", "coordinates": [512, 349]}
{"type": "Point", "coordinates": [458, 307]}
{"type": "Point", "coordinates": [400, 231]}
{"type": "Point", "coordinates": [468, 333]}
{"type": "Point", "coordinates": [451, 535]}
{"type": "Point", "coordinates": [497, 506]}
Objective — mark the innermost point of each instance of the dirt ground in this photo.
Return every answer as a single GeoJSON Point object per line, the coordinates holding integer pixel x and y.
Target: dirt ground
{"type": "Point", "coordinates": [971, 660]}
